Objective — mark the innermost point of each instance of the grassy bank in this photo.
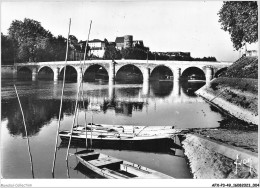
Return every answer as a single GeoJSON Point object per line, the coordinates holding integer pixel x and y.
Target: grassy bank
{"type": "Point", "coordinates": [241, 92]}
{"type": "Point", "coordinates": [236, 92]}
{"type": "Point", "coordinates": [238, 85]}
{"type": "Point", "coordinates": [245, 67]}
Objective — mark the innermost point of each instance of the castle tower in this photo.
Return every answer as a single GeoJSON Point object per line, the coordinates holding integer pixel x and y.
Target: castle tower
{"type": "Point", "coordinates": [128, 41]}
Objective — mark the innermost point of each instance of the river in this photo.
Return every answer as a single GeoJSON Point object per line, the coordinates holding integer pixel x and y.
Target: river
{"type": "Point", "coordinates": [161, 104]}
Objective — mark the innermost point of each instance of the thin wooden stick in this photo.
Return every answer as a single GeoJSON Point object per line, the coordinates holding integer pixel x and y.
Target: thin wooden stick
{"type": "Point", "coordinates": [64, 76]}
{"type": "Point", "coordinates": [28, 143]}
{"type": "Point", "coordinates": [68, 171]}
{"type": "Point", "coordinates": [85, 53]}
{"type": "Point", "coordinates": [91, 130]}
{"type": "Point", "coordinates": [85, 124]}
{"type": "Point", "coordinates": [74, 119]}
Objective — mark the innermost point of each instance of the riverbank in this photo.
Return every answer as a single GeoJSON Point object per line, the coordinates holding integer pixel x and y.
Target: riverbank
{"type": "Point", "coordinates": [218, 153]}
{"type": "Point", "coordinates": [236, 90]}
{"type": "Point", "coordinates": [237, 96]}
{"type": "Point", "coordinates": [210, 159]}
{"type": "Point", "coordinates": [7, 71]}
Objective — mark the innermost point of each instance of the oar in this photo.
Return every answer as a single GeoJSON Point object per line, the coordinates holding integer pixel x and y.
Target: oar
{"type": "Point", "coordinates": [28, 143]}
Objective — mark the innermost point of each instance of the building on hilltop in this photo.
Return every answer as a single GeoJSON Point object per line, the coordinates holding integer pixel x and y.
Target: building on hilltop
{"type": "Point", "coordinates": [128, 42]}
{"type": "Point", "coordinates": [175, 54]}
{"type": "Point", "coordinates": [76, 51]}
{"type": "Point", "coordinates": [97, 47]}
{"type": "Point", "coordinates": [119, 43]}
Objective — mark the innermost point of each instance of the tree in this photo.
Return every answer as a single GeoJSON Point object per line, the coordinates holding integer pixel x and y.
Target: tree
{"type": "Point", "coordinates": [106, 42]}
{"type": "Point", "coordinates": [7, 50]}
{"type": "Point", "coordinates": [59, 45]}
{"type": "Point", "coordinates": [133, 53]}
{"type": "Point", "coordinates": [73, 40]}
{"type": "Point", "coordinates": [112, 53]}
{"type": "Point", "coordinates": [30, 39]}
{"type": "Point", "coordinates": [240, 19]}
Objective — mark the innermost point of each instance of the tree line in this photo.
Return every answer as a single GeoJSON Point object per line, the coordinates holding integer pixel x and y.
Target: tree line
{"type": "Point", "coordinates": [28, 41]}
{"type": "Point", "coordinates": [139, 53]}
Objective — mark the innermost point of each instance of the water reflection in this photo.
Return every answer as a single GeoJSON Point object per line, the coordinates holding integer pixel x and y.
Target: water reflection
{"type": "Point", "coordinates": [39, 110]}
{"type": "Point", "coordinates": [37, 113]}
{"type": "Point", "coordinates": [162, 89]}
{"type": "Point", "coordinates": [189, 88]}
{"type": "Point", "coordinates": [155, 104]}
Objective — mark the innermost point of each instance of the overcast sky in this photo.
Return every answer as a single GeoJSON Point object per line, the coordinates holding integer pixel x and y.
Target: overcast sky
{"type": "Point", "coordinates": [189, 26]}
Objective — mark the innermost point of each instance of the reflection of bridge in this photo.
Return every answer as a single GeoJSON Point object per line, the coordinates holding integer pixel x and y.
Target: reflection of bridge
{"type": "Point", "coordinates": [110, 93]}
{"type": "Point", "coordinates": [177, 68]}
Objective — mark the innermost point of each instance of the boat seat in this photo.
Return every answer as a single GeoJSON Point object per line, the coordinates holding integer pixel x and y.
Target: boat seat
{"type": "Point", "coordinates": [115, 174]}
{"type": "Point", "coordinates": [135, 170]}
{"type": "Point", "coordinates": [106, 162]}
{"type": "Point", "coordinates": [89, 156]}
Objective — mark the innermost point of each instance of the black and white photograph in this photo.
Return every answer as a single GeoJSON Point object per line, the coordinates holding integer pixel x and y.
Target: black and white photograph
{"type": "Point", "coordinates": [163, 93]}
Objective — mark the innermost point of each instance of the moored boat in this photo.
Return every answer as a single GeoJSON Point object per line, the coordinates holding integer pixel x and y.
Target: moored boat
{"type": "Point", "coordinates": [119, 140]}
{"type": "Point", "coordinates": [122, 137]}
{"type": "Point", "coordinates": [113, 168]}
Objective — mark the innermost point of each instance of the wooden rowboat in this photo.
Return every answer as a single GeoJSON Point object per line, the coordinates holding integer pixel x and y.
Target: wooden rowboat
{"type": "Point", "coordinates": [119, 141]}
{"type": "Point", "coordinates": [113, 168]}
{"type": "Point", "coordinates": [113, 137]}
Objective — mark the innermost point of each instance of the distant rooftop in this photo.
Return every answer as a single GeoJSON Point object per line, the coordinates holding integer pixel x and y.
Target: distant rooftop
{"type": "Point", "coordinates": [95, 40]}
{"type": "Point", "coordinates": [119, 40]}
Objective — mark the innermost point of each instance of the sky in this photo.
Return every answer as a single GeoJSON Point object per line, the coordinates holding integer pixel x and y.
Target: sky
{"type": "Point", "coordinates": [163, 25]}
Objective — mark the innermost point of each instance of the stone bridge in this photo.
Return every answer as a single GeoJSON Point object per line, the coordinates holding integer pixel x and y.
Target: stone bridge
{"type": "Point", "coordinates": [177, 68]}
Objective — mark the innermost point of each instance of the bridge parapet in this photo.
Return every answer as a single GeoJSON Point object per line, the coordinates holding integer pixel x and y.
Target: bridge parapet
{"type": "Point", "coordinates": [146, 67]}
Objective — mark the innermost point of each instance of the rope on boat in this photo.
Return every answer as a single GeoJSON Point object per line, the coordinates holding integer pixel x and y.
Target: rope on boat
{"type": "Point", "coordinates": [141, 131]}
{"type": "Point", "coordinates": [28, 143]}
{"type": "Point", "coordinates": [62, 91]}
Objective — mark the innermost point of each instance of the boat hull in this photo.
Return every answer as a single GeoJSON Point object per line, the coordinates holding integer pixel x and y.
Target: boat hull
{"type": "Point", "coordinates": [159, 144]}
{"type": "Point", "coordinates": [113, 168]}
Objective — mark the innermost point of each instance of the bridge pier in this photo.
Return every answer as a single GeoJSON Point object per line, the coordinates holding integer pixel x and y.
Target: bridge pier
{"type": "Point", "coordinates": [34, 74]}
{"type": "Point", "coordinates": [176, 88]}
{"type": "Point", "coordinates": [146, 79]}
{"type": "Point", "coordinates": [176, 74]}
{"type": "Point", "coordinates": [146, 74]}
{"type": "Point", "coordinates": [56, 74]}
{"type": "Point", "coordinates": [111, 74]}
{"type": "Point", "coordinates": [14, 72]}
{"type": "Point", "coordinates": [145, 88]}
{"type": "Point", "coordinates": [209, 74]}
{"type": "Point", "coordinates": [79, 75]}
{"type": "Point", "coordinates": [111, 90]}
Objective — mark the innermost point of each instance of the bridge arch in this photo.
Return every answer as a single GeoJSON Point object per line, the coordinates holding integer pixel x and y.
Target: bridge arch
{"type": "Point", "coordinates": [45, 73]}
{"type": "Point", "coordinates": [129, 73]}
{"type": "Point", "coordinates": [71, 73]}
{"type": "Point", "coordinates": [193, 72]}
{"type": "Point", "coordinates": [220, 71]}
{"type": "Point", "coordinates": [24, 73]}
{"type": "Point", "coordinates": [161, 72]}
{"type": "Point", "coordinates": [95, 72]}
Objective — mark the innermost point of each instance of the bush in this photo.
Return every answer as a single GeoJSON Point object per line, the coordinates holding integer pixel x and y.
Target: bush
{"type": "Point", "coordinates": [245, 67]}
{"type": "Point", "coordinates": [244, 84]}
